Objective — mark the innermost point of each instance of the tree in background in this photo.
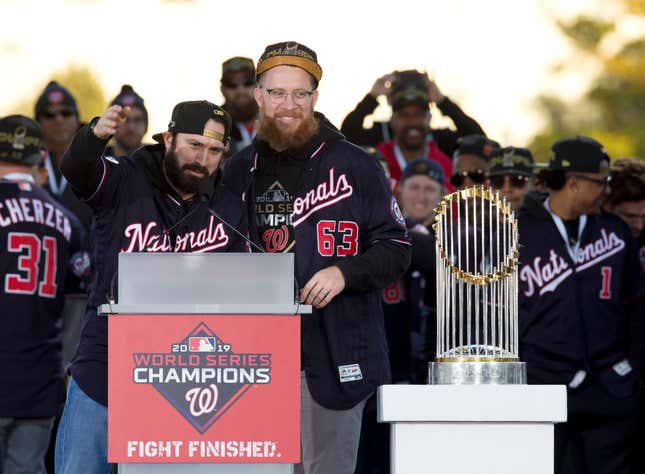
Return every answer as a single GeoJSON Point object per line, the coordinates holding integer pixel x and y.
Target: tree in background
{"type": "Point", "coordinates": [83, 85]}
{"type": "Point", "coordinates": [612, 109]}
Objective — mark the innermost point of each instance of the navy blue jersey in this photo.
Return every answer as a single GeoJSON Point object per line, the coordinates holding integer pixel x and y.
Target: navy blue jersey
{"type": "Point", "coordinates": [39, 241]}
{"type": "Point", "coordinates": [133, 206]}
{"type": "Point", "coordinates": [342, 207]}
{"type": "Point", "coordinates": [572, 318]}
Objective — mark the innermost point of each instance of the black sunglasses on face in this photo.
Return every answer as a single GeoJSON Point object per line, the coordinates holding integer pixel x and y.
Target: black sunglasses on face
{"type": "Point", "coordinates": [250, 82]}
{"type": "Point", "coordinates": [517, 181]}
{"type": "Point", "coordinates": [606, 181]}
{"type": "Point", "coordinates": [476, 177]}
{"type": "Point", "coordinates": [66, 113]}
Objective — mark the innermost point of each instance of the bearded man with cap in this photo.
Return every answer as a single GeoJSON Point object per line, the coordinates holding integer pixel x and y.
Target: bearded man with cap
{"type": "Point", "coordinates": [511, 171]}
{"type": "Point", "coordinates": [129, 134]}
{"type": "Point", "coordinates": [40, 242]}
{"type": "Point", "coordinates": [148, 202]}
{"type": "Point", "coordinates": [332, 206]}
{"type": "Point", "coordinates": [237, 85]}
{"type": "Point", "coordinates": [579, 285]}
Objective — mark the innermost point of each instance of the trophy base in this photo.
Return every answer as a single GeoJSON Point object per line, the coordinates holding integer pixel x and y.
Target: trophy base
{"type": "Point", "coordinates": [477, 373]}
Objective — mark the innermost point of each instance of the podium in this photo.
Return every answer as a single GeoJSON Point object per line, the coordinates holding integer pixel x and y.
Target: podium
{"type": "Point", "coordinates": [204, 364]}
{"type": "Point", "coordinates": [501, 429]}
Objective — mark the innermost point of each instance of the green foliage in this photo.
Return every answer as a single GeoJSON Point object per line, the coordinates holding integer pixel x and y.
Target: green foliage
{"type": "Point", "coordinates": [586, 32]}
{"type": "Point", "coordinates": [612, 109]}
{"type": "Point", "coordinates": [83, 85]}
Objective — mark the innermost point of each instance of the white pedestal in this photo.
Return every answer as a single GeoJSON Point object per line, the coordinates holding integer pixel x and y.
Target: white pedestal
{"type": "Point", "coordinates": [501, 429]}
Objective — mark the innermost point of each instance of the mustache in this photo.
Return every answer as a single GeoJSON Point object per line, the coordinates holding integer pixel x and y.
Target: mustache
{"type": "Point", "coordinates": [293, 114]}
{"type": "Point", "coordinates": [195, 167]}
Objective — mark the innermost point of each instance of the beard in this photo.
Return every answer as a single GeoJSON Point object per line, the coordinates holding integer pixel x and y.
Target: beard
{"type": "Point", "coordinates": [178, 175]}
{"type": "Point", "coordinates": [245, 111]}
{"type": "Point", "coordinates": [269, 130]}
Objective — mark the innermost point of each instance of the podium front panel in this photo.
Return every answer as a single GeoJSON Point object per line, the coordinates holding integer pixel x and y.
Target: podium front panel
{"type": "Point", "coordinates": [206, 278]}
{"type": "Point", "coordinates": [204, 389]}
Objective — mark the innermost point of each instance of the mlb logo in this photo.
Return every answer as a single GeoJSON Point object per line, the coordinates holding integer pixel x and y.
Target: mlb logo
{"type": "Point", "coordinates": [201, 344]}
{"type": "Point", "coordinates": [349, 373]}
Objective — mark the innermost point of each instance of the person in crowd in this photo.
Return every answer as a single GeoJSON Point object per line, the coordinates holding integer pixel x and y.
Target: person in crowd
{"type": "Point", "coordinates": [350, 240]}
{"type": "Point", "coordinates": [578, 293]}
{"type": "Point", "coordinates": [410, 130]}
{"type": "Point", "coordinates": [38, 253]}
{"type": "Point", "coordinates": [237, 85]}
{"type": "Point", "coordinates": [166, 189]}
{"type": "Point", "coordinates": [420, 190]}
{"type": "Point", "coordinates": [445, 139]}
{"type": "Point", "coordinates": [627, 196]}
{"type": "Point", "coordinates": [129, 136]}
{"type": "Point", "coordinates": [511, 172]}
{"type": "Point", "coordinates": [471, 160]}
{"type": "Point", "coordinates": [57, 113]}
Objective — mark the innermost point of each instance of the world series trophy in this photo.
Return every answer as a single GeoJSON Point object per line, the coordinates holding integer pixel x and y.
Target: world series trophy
{"type": "Point", "coordinates": [477, 287]}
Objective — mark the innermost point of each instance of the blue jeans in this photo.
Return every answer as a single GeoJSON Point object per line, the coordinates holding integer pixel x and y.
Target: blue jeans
{"type": "Point", "coordinates": [81, 441]}
{"type": "Point", "coordinates": [23, 444]}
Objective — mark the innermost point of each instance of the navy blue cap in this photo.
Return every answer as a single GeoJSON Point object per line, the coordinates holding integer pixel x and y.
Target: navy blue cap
{"type": "Point", "coordinates": [424, 167]}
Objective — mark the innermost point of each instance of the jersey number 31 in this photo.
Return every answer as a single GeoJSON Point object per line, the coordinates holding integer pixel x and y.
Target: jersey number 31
{"type": "Point", "coordinates": [29, 246]}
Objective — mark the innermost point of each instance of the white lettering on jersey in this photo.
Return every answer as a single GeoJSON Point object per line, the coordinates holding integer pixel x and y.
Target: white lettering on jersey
{"type": "Point", "coordinates": [547, 276]}
{"type": "Point", "coordinates": [140, 239]}
{"type": "Point", "coordinates": [26, 209]}
{"type": "Point", "coordinates": [323, 195]}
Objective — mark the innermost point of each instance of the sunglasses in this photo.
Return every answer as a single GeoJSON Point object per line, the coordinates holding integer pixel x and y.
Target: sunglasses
{"type": "Point", "coordinates": [66, 113]}
{"type": "Point", "coordinates": [606, 181]}
{"type": "Point", "coordinates": [250, 82]}
{"type": "Point", "coordinates": [516, 181]}
{"type": "Point", "coordinates": [477, 177]}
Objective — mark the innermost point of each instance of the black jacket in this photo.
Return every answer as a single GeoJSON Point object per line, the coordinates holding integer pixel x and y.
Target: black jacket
{"type": "Point", "coordinates": [133, 207]}
{"type": "Point", "coordinates": [573, 316]}
{"type": "Point", "coordinates": [446, 139]}
{"type": "Point", "coordinates": [345, 215]}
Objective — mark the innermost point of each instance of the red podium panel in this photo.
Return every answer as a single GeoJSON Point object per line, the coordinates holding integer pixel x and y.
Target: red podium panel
{"type": "Point", "coordinates": [204, 388]}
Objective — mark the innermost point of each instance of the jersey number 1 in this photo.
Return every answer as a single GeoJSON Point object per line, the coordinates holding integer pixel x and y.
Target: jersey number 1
{"type": "Point", "coordinates": [605, 290]}
{"type": "Point", "coordinates": [29, 246]}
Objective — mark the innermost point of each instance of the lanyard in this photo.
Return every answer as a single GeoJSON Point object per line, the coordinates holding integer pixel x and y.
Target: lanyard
{"type": "Point", "coordinates": [573, 250]}
{"type": "Point", "coordinates": [246, 136]}
{"type": "Point", "coordinates": [57, 188]}
{"type": "Point", "coordinates": [401, 159]}
{"type": "Point", "coordinates": [19, 177]}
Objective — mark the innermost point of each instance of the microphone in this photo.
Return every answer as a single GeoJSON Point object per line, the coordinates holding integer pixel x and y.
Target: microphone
{"type": "Point", "coordinates": [206, 190]}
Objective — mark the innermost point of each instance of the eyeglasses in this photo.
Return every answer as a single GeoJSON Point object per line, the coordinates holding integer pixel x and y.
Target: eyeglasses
{"type": "Point", "coordinates": [516, 181]}
{"type": "Point", "coordinates": [300, 96]}
{"type": "Point", "coordinates": [249, 82]}
{"type": "Point", "coordinates": [476, 177]}
{"type": "Point", "coordinates": [66, 113]}
{"type": "Point", "coordinates": [606, 181]}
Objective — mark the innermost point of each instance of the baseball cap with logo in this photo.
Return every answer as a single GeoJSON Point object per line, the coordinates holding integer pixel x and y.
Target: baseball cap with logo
{"type": "Point", "coordinates": [408, 94]}
{"type": "Point", "coordinates": [476, 144]}
{"type": "Point", "coordinates": [579, 154]}
{"type": "Point", "coordinates": [191, 117]}
{"type": "Point", "coordinates": [21, 140]}
{"type": "Point", "coordinates": [425, 167]}
{"type": "Point", "coordinates": [512, 160]}
{"type": "Point", "coordinates": [55, 94]}
{"type": "Point", "coordinates": [290, 53]}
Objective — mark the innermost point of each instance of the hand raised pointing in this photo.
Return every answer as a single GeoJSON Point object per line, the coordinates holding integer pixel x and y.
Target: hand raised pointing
{"type": "Point", "coordinates": [110, 121]}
